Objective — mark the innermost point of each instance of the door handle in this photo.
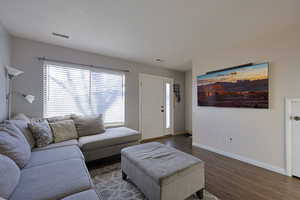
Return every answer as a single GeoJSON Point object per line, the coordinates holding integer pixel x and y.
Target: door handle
{"type": "Point", "coordinates": [296, 118]}
{"type": "Point", "coordinates": [162, 110]}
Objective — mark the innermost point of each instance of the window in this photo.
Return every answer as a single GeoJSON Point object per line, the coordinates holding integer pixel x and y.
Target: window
{"type": "Point", "coordinates": [85, 91]}
{"type": "Point", "coordinates": [168, 105]}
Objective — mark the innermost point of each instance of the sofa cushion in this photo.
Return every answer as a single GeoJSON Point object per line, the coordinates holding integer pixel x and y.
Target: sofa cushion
{"type": "Point", "coordinates": [59, 144]}
{"type": "Point", "coordinates": [112, 136]}
{"type": "Point", "coordinates": [14, 145]}
{"type": "Point", "coordinates": [54, 155]}
{"type": "Point", "coordinates": [22, 125]}
{"type": "Point", "coordinates": [41, 132]}
{"type": "Point", "coordinates": [85, 195]}
{"type": "Point", "coordinates": [64, 130]}
{"type": "Point", "coordinates": [53, 181]}
{"type": "Point", "coordinates": [10, 175]}
{"type": "Point", "coordinates": [88, 125]}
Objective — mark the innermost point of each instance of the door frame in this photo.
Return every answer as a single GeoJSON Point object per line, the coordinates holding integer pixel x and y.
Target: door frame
{"type": "Point", "coordinates": [141, 75]}
{"type": "Point", "coordinates": [288, 134]}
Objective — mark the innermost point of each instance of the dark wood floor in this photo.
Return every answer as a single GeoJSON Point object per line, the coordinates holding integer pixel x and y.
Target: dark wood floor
{"type": "Point", "coordinates": [230, 179]}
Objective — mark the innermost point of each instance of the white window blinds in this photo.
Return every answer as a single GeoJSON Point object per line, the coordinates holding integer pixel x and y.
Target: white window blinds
{"type": "Point", "coordinates": [84, 91]}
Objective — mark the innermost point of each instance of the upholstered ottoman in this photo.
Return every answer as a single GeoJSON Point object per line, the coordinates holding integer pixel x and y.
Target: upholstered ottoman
{"type": "Point", "coordinates": [162, 172]}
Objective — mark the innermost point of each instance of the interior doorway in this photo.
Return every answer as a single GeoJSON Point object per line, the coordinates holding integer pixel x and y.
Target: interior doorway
{"type": "Point", "coordinates": [292, 126]}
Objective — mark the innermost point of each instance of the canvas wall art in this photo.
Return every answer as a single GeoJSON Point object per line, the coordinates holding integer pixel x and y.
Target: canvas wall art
{"type": "Point", "coordinates": [242, 87]}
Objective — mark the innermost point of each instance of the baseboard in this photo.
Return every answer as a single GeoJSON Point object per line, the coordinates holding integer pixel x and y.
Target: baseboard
{"type": "Point", "coordinates": [180, 132]}
{"type": "Point", "coordinates": [243, 159]}
{"type": "Point", "coordinates": [154, 139]}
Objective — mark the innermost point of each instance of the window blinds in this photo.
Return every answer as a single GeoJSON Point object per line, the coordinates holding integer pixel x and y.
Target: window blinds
{"type": "Point", "coordinates": [75, 90]}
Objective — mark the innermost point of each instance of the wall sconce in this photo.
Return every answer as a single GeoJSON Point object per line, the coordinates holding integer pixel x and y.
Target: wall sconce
{"type": "Point", "coordinates": [13, 72]}
{"type": "Point", "coordinates": [29, 98]}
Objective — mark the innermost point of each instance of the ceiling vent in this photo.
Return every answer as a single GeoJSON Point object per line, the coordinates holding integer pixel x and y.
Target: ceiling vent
{"type": "Point", "coordinates": [159, 60]}
{"type": "Point", "coordinates": [60, 35]}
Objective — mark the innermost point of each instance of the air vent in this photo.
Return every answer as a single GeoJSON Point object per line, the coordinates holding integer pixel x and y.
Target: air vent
{"type": "Point", "coordinates": [61, 35]}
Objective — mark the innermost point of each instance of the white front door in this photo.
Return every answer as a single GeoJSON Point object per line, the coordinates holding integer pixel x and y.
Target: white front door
{"type": "Point", "coordinates": [156, 106]}
{"type": "Point", "coordinates": [295, 138]}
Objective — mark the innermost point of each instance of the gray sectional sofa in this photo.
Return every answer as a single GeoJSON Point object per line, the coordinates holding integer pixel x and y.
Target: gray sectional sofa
{"type": "Point", "coordinates": [58, 171]}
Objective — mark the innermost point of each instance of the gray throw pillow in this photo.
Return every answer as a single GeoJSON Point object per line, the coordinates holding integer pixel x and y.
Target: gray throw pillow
{"type": "Point", "coordinates": [41, 132]}
{"type": "Point", "coordinates": [14, 145]}
{"type": "Point", "coordinates": [88, 125]}
{"type": "Point", "coordinates": [64, 130]}
{"type": "Point", "coordinates": [10, 176]}
{"type": "Point", "coordinates": [22, 125]}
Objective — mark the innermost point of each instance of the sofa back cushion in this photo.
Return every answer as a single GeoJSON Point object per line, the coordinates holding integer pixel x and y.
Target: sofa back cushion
{"type": "Point", "coordinates": [41, 132]}
{"type": "Point", "coordinates": [10, 176]}
{"type": "Point", "coordinates": [63, 130]}
{"type": "Point", "coordinates": [13, 144]}
{"type": "Point", "coordinates": [22, 125]}
{"type": "Point", "coordinates": [88, 125]}
{"type": "Point", "coordinates": [21, 116]}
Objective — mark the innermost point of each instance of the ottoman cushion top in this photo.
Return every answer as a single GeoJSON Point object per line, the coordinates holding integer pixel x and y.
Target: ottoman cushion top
{"type": "Point", "coordinates": [159, 161]}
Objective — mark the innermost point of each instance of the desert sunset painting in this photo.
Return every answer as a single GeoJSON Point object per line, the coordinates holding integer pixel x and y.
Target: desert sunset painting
{"type": "Point", "coordinates": [244, 87]}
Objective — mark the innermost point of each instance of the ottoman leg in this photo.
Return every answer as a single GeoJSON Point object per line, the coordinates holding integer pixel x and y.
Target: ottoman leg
{"type": "Point", "coordinates": [200, 194]}
{"type": "Point", "coordinates": [124, 176]}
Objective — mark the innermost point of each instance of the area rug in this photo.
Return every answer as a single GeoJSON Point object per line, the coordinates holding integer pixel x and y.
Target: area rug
{"type": "Point", "coordinates": [110, 186]}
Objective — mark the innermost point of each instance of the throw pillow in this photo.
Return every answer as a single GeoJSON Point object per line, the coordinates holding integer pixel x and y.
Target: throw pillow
{"type": "Point", "coordinates": [88, 125]}
{"type": "Point", "coordinates": [22, 125]}
{"type": "Point", "coordinates": [10, 176]}
{"type": "Point", "coordinates": [64, 130]}
{"type": "Point", "coordinates": [41, 132]}
{"type": "Point", "coordinates": [58, 118]}
{"type": "Point", "coordinates": [14, 145]}
{"type": "Point", "coordinates": [38, 119]}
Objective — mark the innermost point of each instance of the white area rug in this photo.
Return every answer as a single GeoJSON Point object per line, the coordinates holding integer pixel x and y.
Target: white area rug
{"type": "Point", "coordinates": [110, 186]}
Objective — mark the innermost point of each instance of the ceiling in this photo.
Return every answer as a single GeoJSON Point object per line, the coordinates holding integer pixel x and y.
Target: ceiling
{"type": "Point", "coordinates": [143, 30]}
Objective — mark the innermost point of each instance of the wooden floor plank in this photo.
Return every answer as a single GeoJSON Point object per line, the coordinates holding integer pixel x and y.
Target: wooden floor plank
{"type": "Point", "coordinates": [230, 179]}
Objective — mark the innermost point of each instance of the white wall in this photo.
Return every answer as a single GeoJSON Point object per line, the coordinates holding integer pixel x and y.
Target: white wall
{"type": "Point", "coordinates": [4, 61]}
{"type": "Point", "coordinates": [258, 134]}
{"type": "Point", "coordinates": [25, 53]}
{"type": "Point", "coordinates": [188, 101]}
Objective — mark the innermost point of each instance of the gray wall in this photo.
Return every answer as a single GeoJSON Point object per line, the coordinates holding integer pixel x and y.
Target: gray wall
{"type": "Point", "coordinates": [258, 134]}
{"type": "Point", "coordinates": [4, 60]}
{"type": "Point", "coordinates": [25, 52]}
